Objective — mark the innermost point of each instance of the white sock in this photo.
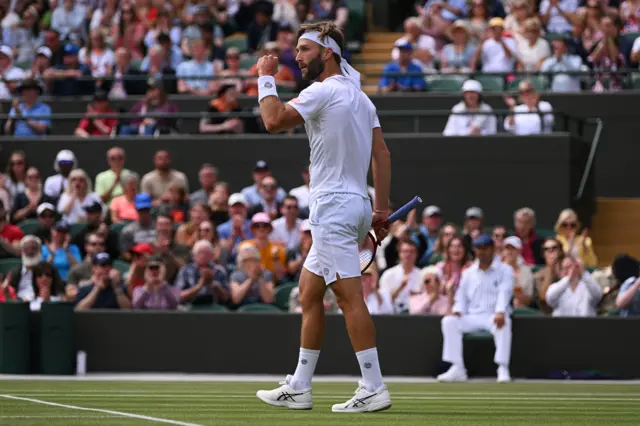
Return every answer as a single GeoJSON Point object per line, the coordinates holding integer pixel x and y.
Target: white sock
{"type": "Point", "coordinates": [370, 368]}
{"type": "Point", "coordinates": [304, 371]}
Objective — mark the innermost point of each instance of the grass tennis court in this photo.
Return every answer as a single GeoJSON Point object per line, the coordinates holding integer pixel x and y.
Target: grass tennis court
{"type": "Point", "coordinates": [234, 403]}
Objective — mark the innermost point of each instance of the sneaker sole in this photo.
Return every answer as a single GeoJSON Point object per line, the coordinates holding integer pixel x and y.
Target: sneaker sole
{"type": "Point", "coordinates": [286, 404]}
{"type": "Point", "coordinates": [380, 406]}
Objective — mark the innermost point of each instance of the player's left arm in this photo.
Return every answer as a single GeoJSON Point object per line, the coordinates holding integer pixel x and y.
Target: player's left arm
{"type": "Point", "coordinates": [278, 116]}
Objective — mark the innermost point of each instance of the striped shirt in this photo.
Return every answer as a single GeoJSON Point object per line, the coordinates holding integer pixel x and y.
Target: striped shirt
{"type": "Point", "coordinates": [485, 292]}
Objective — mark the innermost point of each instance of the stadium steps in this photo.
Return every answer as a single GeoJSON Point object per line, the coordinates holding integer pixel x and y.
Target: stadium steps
{"type": "Point", "coordinates": [615, 228]}
{"type": "Point", "coordinates": [375, 54]}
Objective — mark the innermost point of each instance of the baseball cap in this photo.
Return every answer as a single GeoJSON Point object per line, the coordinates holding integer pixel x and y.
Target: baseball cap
{"type": "Point", "coordinates": [65, 156]}
{"type": "Point", "coordinates": [261, 166]}
{"type": "Point", "coordinates": [44, 51]}
{"type": "Point", "coordinates": [94, 207]}
{"type": "Point", "coordinates": [71, 49]}
{"type": "Point", "coordinates": [63, 226]}
{"type": "Point", "coordinates": [404, 45]}
{"type": "Point", "coordinates": [483, 240]}
{"type": "Point", "coordinates": [305, 226]}
{"type": "Point", "coordinates": [237, 198]}
{"type": "Point", "coordinates": [514, 242]}
{"type": "Point", "coordinates": [496, 22]}
{"type": "Point", "coordinates": [142, 248]}
{"type": "Point", "coordinates": [101, 258]}
{"type": "Point", "coordinates": [6, 50]}
{"type": "Point", "coordinates": [474, 212]}
{"type": "Point", "coordinates": [472, 86]}
{"type": "Point", "coordinates": [142, 201]}
{"type": "Point", "coordinates": [45, 207]}
{"type": "Point", "coordinates": [154, 259]}
{"type": "Point", "coordinates": [431, 211]}
{"type": "Point", "coordinates": [432, 270]}
{"type": "Point", "coordinates": [260, 218]}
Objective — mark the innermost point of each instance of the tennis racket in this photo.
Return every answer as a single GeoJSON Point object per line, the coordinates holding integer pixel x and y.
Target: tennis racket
{"type": "Point", "coordinates": [370, 244]}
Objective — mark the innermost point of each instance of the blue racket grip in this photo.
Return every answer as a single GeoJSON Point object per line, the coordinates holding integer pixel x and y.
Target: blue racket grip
{"type": "Point", "coordinates": [404, 210]}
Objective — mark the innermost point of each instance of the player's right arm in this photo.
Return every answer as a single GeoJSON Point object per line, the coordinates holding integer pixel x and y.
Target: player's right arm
{"type": "Point", "coordinates": [278, 116]}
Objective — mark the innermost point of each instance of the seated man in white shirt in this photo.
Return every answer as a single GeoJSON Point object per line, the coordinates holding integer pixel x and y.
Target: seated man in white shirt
{"type": "Point", "coordinates": [424, 46]}
{"type": "Point", "coordinates": [533, 116]}
{"type": "Point", "coordinates": [482, 303]}
{"type": "Point", "coordinates": [559, 63]}
{"type": "Point", "coordinates": [575, 295]}
{"type": "Point", "coordinates": [401, 279]}
{"type": "Point", "coordinates": [286, 230]}
{"type": "Point", "coordinates": [498, 53]}
{"type": "Point", "coordinates": [462, 122]}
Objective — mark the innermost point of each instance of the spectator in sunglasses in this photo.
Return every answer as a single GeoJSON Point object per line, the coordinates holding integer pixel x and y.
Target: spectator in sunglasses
{"type": "Point", "coordinates": [273, 256]}
{"type": "Point", "coordinates": [268, 203]}
{"type": "Point", "coordinates": [286, 230]}
{"type": "Point", "coordinates": [80, 274]}
{"type": "Point", "coordinates": [429, 299]}
{"type": "Point", "coordinates": [156, 293]}
{"type": "Point", "coordinates": [575, 241]}
{"type": "Point", "coordinates": [551, 272]}
{"type": "Point", "coordinates": [47, 288]}
{"type": "Point", "coordinates": [106, 290]}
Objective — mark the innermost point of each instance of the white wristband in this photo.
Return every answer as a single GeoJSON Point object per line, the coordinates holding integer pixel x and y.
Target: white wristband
{"type": "Point", "coordinates": [266, 87]}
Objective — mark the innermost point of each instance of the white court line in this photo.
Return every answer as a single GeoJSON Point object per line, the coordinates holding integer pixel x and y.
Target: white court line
{"type": "Point", "coordinates": [98, 410]}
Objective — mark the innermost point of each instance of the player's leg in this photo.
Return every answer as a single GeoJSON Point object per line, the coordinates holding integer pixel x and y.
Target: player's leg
{"type": "Point", "coordinates": [502, 340]}
{"type": "Point", "coordinates": [453, 329]}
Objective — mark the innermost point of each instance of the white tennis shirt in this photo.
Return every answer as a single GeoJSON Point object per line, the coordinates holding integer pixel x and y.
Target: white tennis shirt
{"type": "Point", "coordinates": [339, 119]}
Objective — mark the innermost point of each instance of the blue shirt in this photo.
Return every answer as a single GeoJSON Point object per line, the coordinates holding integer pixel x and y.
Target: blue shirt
{"type": "Point", "coordinates": [21, 128]}
{"type": "Point", "coordinates": [60, 260]}
{"type": "Point", "coordinates": [253, 197]}
{"type": "Point", "coordinates": [195, 69]}
{"type": "Point", "coordinates": [459, 4]}
{"type": "Point", "coordinates": [224, 232]}
{"type": "Point", "coordinates": [431, 244]}
{"type": "Point", "coordinates": [106, 299]}
{"type": "Point", "coordinates": [634, 307]}
{"type": "Point", "coordinates": [189, 275]}
{"type": "Point", "coordinates": [175, 60]}
{"type": "Point", "coordinates": [414, 82]}
{"type": "Point", "coordinates": [72, 86]}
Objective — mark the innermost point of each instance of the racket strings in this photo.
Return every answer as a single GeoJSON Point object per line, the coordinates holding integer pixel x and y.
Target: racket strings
{"type": "Point", "coordinates": [367, 252]}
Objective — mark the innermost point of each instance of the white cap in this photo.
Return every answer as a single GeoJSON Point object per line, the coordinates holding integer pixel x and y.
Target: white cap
{"type": "Point", "coordinates": [237, 198]}
{"type": "Point", "coordinates": [6, 50]}
{"type": "Point", "coordinates": [431, 211]}
{"type": "Point", "coordinates": [45, 206]}
{"type": "Point", "coordinates": [432, 270]}
{"type": "Point", "coordinates": [472, 86]}
{"type": "Point", "coordinates": [305, 226]}
{"type": "Point", "coordinates": [514, 242]}
{"type": "Point", "coordinates": [44, 50]}
{"type": "Point", "coordinates": [65, 155]}
{"type": "Point", "coordinates": [475, 212]}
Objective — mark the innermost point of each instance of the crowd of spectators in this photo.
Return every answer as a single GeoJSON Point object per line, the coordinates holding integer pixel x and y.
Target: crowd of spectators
{"type": "Point", "coordinates": [559, 37]}
{"type": "Point", "coordinates": [158, 241]}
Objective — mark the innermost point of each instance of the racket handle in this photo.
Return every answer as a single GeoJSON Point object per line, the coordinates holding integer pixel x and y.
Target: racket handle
{"type": "Point", "coordinates": [404, 210]}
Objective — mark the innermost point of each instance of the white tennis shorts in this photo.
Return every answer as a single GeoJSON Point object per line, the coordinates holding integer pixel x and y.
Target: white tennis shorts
{"type": "Point", "coordinates": [339, 223]}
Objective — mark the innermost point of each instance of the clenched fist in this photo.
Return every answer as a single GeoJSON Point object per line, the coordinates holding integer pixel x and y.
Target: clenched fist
{"type": "Point", "coordinates": [267, 65]}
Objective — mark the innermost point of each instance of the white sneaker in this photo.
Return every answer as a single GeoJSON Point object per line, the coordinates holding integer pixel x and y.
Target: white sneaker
{"type": "Point", "coordinates": [453, 374]}
{"type": "Point", "coordinates": [503, 374]}
{"type": "Point", "coordinates": [286, 396]}
{"type": "Point", "coordinates": [364, 401]}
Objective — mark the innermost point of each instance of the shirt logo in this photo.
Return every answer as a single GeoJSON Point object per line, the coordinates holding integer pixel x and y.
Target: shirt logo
{"type": "Point", "coordinates": [268, 85]}
{"type": "Point", "coordinates": [294, 101]}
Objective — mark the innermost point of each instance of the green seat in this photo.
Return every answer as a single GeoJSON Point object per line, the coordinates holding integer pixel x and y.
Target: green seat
{"type": "Point", "coordinates": [536, 268]}
{"type": "Point", "coordinates": [545, 232]}
{"type": "Point", "coordinates": [591, 269]}
{"type": "Point", "coordinates": [29, 226]}
{"type": "Point", "coordinates": [445, 83]}
{"type": "Point", "coordinates": [281, 296]}
{"type": "Point", "coordinates": [478, 335]}
{"type": "Point", "coordinates": [247, 62]}
{"type": "Point", "coordinates": [635, 79]}
{"type": "Point", "coordinates": [239, 43]}
{"type": "Point", "coordinates": [613, 313]}
{"type": "Point", "coordinates": [76, 227]}
{"type": "Point", "coordinates": [259, 307]}
{"type": "Point", "coordinates": [135, 64]}
{"type": "Point", "coordinates": [490, 83]}
{"type": "Point", "coordinates": [117, 227]}
{"type": "Point", "coordinates": [7, 265]}
{"type": "Point", "coordinates": [121, 266]}
{"type": "Point", "coordinates": [526, 312]}
{"type": "Point", "coordinates": [209, 308]}
{"type": "Point", "coordinates": [540, 82]}
{"type": "Point", "coordinates": [356, 24]}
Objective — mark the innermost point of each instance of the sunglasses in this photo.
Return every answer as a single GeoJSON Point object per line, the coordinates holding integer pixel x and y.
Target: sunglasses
{"type": "Point", "coordinates": [95, 243]}
{"type": "Point", "coordinates": [154, 267]}
{"type": "Point", "coordinates": [47, 216]}
{"type": "Point", "coordinates": [262, 225]}
{"type": "Point", "coordinates": [429, 281]}
{"type": "Point", "coordinates": [550, 248]}
{"type": "Point", "coordinates": [570, 225]}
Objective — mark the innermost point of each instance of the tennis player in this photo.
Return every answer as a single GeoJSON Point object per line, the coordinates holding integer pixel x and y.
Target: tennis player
{"type": "Point", "coordinates": [344, 135]}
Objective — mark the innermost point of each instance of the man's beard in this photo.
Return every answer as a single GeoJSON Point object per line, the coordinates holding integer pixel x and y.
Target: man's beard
{"type": "Point", "coordinates": [315, 68]}
{"type": "Point", "coordinates": [31, 261]}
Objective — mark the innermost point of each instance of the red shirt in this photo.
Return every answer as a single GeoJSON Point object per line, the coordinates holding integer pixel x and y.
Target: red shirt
{"type": "Point", "coordinates": [11, 233]}
{"type": "Point", "coordinates": [110, 123]}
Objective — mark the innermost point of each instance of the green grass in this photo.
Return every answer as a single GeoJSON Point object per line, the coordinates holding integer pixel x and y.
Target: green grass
{"type": "Point", "coordinates": [224, 403]}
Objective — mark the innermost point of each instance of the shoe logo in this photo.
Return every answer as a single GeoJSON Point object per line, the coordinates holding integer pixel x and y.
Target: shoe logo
{"type": "Point", "coordinates": [303, 361]}
{"type": "Point", "coordinates": [367, 365]}
{"type": "Point", "coordinates": [285, 396]}
{"type": "Point", "coordinates": [268, 85]}
{"type": "Point", "coordinates": [358, 402]}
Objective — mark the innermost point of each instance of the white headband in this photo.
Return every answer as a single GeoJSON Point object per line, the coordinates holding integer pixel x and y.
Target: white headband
{"type": "Point", "coordinates": [347, 70]}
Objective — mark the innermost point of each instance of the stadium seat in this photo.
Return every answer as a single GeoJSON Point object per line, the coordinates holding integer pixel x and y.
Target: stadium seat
{"type": "Point", "coordinates": [355, 26]}
{"type": "Point", "coordinates": [259, 307]}
{"type": "Point", "coordinates": [490, 83]}
{"type": "Point", "coordinates": [135, 64]}
{"type": "Point", "coordinates": [7, 265]}
{"type": "Point", "coordinates": [445, 83]}
{"type": "Point", "coordinates": [536, 268]}
{"type": "Point", "coordinates": [539, 81]}
{"type": "Point", "coordinates": [76, 227]}
{"type": "Point", "coordinates": [281, 297]}
{"type": "Point", "coordinates": [209, 308]}
{"type": "Point", "coordinates": [635, 78]}
{"type": "Point", "coordinates": [117, 227]}
{"type": "Point", "coordinates": [239, 43]}
{"type": "Point", "coordinates": [29, 226]}
{"type": "Point", "coordinates": [121, 266]}
{"type": "Point", "coordinates": [545, 232]}
{"type": "Point", "coordinates": [479, 335]}
{"type": "Point", "coordinates": [631, 36]}
{"type": "Point", "coordinates": [247, 62]}
{"type": "Point", "coordinates": [526, 312]}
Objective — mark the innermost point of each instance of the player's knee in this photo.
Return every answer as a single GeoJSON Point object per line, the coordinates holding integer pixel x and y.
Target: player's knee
{"type": "Point", "coordinates": [310, 298]}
